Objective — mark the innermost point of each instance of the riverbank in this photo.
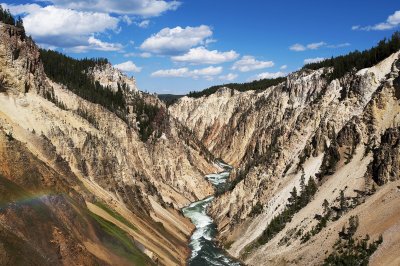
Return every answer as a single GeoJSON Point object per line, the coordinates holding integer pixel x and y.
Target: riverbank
{"type": "Point", "coordinates": [205, 250]}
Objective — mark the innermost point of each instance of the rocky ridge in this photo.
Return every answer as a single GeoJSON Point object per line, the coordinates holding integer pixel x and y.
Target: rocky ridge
{"type": "Point", "coordinates": [145, 183]}
{"type": "Point", "coordinates": [342, 133]}
{"type": "Point", "coordinates": [108, 76]}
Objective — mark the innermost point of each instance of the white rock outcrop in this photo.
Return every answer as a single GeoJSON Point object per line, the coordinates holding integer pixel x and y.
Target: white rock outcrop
{"type": "Point", "coordinates": [275, 136]}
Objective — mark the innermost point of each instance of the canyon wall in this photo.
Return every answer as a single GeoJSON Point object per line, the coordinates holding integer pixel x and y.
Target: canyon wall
{"type": "Point", "coordinates": [115, 175]}
{"type": "Point", "coordinates": [342, 133]}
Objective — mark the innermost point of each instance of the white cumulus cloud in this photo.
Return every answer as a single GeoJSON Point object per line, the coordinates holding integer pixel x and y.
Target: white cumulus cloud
{"type": "Point", "coordinates": [313, 60]}
{"type": "Point", "coordinates": [128, 66]}
{"type": "Point", "coordinates": [269, 75]}
{"type": "Point", "coordinates": [58, 27]}
{"type": "Point", "coordinates": [186, 73]}
{"type": "Point", "coordinates": [391, 22]}
{"type": "Point", "coordinates": [103, 46]}
{"type": "Point", "coordinates": [316, 45]}
{"type": "Point", "coordinates": [283, 67]}
{"type": "Point", "coordinates": [174, 72]}
{"type": "Point", "coordinates": [176, 40]}
{"type": "Point", "coordinates": [51, 20]}
{"type": "Point", "coordinates": [249, 63]}
{"type": "Point", "coordinates": [228, 77]}
{"type": "Point", "coordinates": [201, 55]}
{"type": "Point", "coordinates": [311, 46]}
{"type": "Point", "coordinates": [98, 45]}
{"type": "Point", "coordinates": [147, 8]}
{"type": "Point", "coordinates": [127, 19]}
{"type": "Point", "coordinates": [208, 71]}
{"type": "Point", "coordinates": [143, 24]}
{"type": "Point", "coordinates": [21, 9]}
{"type": "Point", "coordinates": [297, 47]}
{"type": "Point", "coordinates": [141, 55]}
{"type": "Point", "coordinates": [340, 45]}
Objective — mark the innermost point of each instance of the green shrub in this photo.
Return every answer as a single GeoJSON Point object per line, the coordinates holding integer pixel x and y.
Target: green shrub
{"type": "Point", "coordinates": [352, 251]}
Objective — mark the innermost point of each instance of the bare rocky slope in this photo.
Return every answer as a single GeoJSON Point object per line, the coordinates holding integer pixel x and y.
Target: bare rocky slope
{"type": "Point", "coordinates": [110, 197]}
{"type": "Point", "coordinates": [80, 184]}
{"type": "Point", "coordinates": [343, 133]}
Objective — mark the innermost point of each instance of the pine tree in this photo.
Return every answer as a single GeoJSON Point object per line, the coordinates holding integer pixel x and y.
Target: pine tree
{"type": "Point", "coordinates": [303, 190]}
{"type": "Point", "coordinates": [302, 182]}
{"type": "Point", "coordinates": [20, 23]}
{"type": "Point", "coordinates": [353, 225]}
{"type": "Point", "coordinates": [358, 60]}
{"type": "Point", "coordinates": [6, 17]}
{"type": "Point", "coordinates": [311, 188]}
{"type": "Point", "coordinates": [296, 202]}
{"type": "Point", "coordinates": [342, 201]}
{"type": "Point", "coordinates": [293, 198]}
{"type": "Point", "coordinates": [325, 205]}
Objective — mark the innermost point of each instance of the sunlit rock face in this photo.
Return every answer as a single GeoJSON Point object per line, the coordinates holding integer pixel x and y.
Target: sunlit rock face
{"type": "Point", "coordinates": [146, 182]}
{"type": "Point", "coordinates": [340, 132]}
{"type": "Point", "coordinates": [108, 76]}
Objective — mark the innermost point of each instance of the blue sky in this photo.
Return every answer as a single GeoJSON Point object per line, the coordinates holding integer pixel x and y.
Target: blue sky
{"type": "Point", "coordinates": [179, 46]}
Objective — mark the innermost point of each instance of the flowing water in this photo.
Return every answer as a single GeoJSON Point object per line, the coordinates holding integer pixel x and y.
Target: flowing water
{"type": "Point", "coordinates": [204, 249]}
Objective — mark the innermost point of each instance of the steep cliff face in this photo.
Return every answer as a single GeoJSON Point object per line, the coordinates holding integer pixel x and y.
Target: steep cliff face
{"type": "Point", "coordinates": [385, 166]}
{"type": "Point", "coordinates": [121, 176]}
{"type": "Point", "coordinates": [341, 133]}
{"type": "Point", "coordinates": [20, 69]}
{"type": "Point", "coordinates": [43, 215]}
{"type": "Point", "coordinates": [111, 77]}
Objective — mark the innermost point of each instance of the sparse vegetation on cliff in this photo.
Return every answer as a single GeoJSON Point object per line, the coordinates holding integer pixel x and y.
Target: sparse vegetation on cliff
{"type": "Point", "coordinates": [340, 206]}
{"type": "Point", "coordinates": [72, 73]}
{"type": "Point", "coordinates": [7, 18]}
{"type": "Point", "coordinates": [358, 60]}
{"type": "Point", "coordinates": [169, 99]}
{"type": "Point", "coordinates": [256, 85]}
{"type": "Point", "coordinates": [349, 250]}
{"type": "Point", "coordinates": [152, 118]}
{"type": "Point", "coordinates": [296, 203]}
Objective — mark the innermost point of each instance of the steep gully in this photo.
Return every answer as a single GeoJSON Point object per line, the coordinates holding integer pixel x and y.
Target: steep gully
{"type": "Point", "coordinates": [202, 242]}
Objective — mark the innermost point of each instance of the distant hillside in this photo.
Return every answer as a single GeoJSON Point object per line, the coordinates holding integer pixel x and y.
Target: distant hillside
{"type": "Point", "coordinates": [358, 60]}
{"type": "Point", "coordinates": [254, 85]}
{"type": "Point", "coordinates": [169, 99]}
{"type": "Point", "coordinates": [341, 65]}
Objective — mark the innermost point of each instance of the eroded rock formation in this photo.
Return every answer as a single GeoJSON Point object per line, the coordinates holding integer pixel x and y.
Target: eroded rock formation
{"type": "Point", "coordinates": [110, 167]}
{"type": "Point", "coordinates": [342, 133]}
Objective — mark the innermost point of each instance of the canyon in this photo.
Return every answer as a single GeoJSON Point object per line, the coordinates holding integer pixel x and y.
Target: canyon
{"type": "Point", "coordinates": [98, 191]}
{"type": "Point", "coordinates": [103, 170]}
{"type": "Point", "coordinates": [335, 132]}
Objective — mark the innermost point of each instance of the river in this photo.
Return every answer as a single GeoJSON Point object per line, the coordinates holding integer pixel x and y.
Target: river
{"type": "Point", "coordinates": [202, 242]}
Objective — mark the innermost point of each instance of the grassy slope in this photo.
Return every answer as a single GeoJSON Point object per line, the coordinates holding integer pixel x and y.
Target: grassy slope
{"type": "Point", "coordinates": [128, 248]}
{"type": "Point", "coordinates": [27, 201]}
{"type": "Point", "coordinates": [116, 215]}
